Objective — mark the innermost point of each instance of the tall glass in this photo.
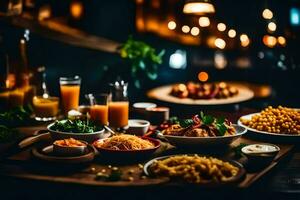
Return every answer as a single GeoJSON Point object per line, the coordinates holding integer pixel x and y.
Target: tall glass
{"type": "Point", "coordinates": [118, 105]}
{"type": "Point", "coordinates": [70, 91]}
{"type": "Point", "coordinates": [99, 108]}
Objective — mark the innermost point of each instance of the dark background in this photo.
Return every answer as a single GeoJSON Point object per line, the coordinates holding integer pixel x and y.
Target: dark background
{"type": "Point", "coordinates": [115, 19]}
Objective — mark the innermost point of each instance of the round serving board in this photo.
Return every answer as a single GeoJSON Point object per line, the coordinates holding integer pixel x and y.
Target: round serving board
{"type": "Point", "coordinates": [163, 94]}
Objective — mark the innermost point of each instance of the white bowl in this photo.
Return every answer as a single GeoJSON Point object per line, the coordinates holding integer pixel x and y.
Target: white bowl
{"type": "Point", "coordinates": [144, 105]}
{"type": "Point", "coordinates": [206, 141]}
{"type": "Point", "coordinates": [137, 127]}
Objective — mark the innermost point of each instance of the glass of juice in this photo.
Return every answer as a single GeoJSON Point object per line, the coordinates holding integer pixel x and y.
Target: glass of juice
{"type": "Point", "coordinates": [99, 108]}
{"type": "Point", "coordinates": [118, 105]}
{"type": "Point", "coordinates": [45, 109]}
{"type": "Point", "coordinates": [70, 90]}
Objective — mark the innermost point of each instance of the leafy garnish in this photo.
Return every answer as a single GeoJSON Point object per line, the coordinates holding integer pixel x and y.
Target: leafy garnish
{"type": "Point", "coordinates": [174, 120]}
{"type": "Point", "coordinates": [75, 126]}
{"type": "Point", "coordinates": [15, 117]}
{"type": "Point", "coordinates": [208, 119]}
{"type": "Point", "coordinates": [221, 129]}
{"type": "Point", "coordinates": [186, 123]}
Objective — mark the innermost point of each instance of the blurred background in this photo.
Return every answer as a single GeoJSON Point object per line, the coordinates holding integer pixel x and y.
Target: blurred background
{"type": "Point", "coordinates": [255, 42]}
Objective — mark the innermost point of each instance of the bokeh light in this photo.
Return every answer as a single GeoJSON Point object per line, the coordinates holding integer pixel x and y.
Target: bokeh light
{"type": "Point", "coordinates": [203, 76]}
{"type": "Point", "coordinates": [195, 31]}
{"type": "Point", "coordinates": [267, 14]}
{"type": "Point", "coordinates": [220, 43]}
{"type": "Point", "coordinates": [185, 29]}
{"type": "Point", "coordinates": [172, 25]}
{"type": "Point", "coordinates": [272, 26]}
{"type": "Point", "coordinates": [204, 21]}
{"type": "Point", "coordinates": [231, 33]}
{"type": "Point", "coordinates": [221, 27]}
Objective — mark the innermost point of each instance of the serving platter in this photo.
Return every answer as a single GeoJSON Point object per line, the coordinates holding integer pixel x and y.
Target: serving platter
{"type": "Point", "coordinates": [184, 141]}
{"type": "Point", "coordinates": [239, 177]}
{"type": "Point", "coordinates": [283, 137]}
{"type": "Point", "coordinates": [163, 94]}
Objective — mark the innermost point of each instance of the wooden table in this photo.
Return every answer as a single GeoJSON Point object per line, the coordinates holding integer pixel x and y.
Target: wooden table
{"type": "Point", "coordinates": [19, 167]}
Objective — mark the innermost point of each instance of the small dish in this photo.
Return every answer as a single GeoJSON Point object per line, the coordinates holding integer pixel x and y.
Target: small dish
{"type": "Point", "coordinates": [137, 127]}
{"type": "Point", "coordinates": [260, 154]}
{"type": "Point", "coordinates": [143, 105]}
{"type": "Point", "coordinates": [69, 147]}
{"type": "Point", "coordinates": [46, 153]}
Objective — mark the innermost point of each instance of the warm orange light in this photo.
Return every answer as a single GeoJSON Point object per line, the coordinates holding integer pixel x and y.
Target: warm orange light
{"type": "Point", "coordinates": [231, 33]}
{"type": "Point", "coordinates": [245, 41]}
{"type": "Point", "coordinates": [211, 41]}
{"type": "Point", "coordinates": [198, 8]}
{"type": "Point", "coordinates": [220, 43]}
{"type": "Point", "coordinates": [185, 29]}
{"type": "Point", "coordinates": [171, 25]}
{"type": "Point", "coordinates": [269, 41]}
{"type": "Point", "coordinates": [204, 21]}
{"type": "Point", "coordinates": [195, 31]}
{"type": "Point", "coordinates": [267, 14]}
{"type": "Point", "coordinates": [272, 26]}
{"type": "Point", "coordinates": [221, 27]}
{"type": "Point", "coordinates": [281, 40]}
{"type": "Point", "coordinates": [203, 76]}
{"type": "Point", "coordinates": [76, 9]}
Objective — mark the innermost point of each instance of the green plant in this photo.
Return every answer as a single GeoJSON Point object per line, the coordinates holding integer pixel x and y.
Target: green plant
{"type": "Point", "coordinates": [142, 58]}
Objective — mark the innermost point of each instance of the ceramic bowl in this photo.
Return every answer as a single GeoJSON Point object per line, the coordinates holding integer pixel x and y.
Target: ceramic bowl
{"type": "Point", "coordinates": [137, 127]}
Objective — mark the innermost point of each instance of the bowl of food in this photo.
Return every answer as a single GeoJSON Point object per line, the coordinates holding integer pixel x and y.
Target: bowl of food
{"type": "Point", "coordinates": [195, 169]}
{"type": "Point", "coordinates": [69, 147]}
{"type": "Point", "coordinates": [137, 127]}
{"type": "Point", "coordinates": [281, 124]}
{"type": "Point", "coordinates": [77, 129]}
{"type": "Point", "coordinates": [260, 154]}
{"type": "Point", "coordinates": [200, 131]}
{"type": "Point", "coordinates": [126, 146]}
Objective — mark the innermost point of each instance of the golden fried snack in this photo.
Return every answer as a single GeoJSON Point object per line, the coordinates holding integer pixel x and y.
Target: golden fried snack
{"type": "Point", "coordinates": [281, 120]}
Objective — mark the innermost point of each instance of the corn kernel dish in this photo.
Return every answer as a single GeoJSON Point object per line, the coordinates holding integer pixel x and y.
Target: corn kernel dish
{"type": "Point", "coordinates": [195, 169]}
{"type": "Point", "coordinates": [280, 120]}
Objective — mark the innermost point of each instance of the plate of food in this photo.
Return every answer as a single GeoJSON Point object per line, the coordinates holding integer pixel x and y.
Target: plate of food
{"type": "Point", "coordinates": [200, 130]}
{"type": "Point", "coordinates": [126, 146]}
{"type": "Point", "coordinates": [196, 169]}
{"type": "Point", "coordinates": [66, 151]}
{"type": "Point", "coordinates": [281, 122]}
{"type": "Point", "coordinates": [202, 93]}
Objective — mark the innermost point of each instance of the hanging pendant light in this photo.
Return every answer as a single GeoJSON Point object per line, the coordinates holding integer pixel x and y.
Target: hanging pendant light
{"type": "Point", "coordinates": [198, 7]}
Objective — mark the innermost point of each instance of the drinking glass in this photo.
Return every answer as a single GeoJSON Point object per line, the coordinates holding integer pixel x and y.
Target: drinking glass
{"type": "Point", "coordinates": [99, 108]}
{"type": "Point", "coordinates": [118, 105]}
{"type": "Point", "coordinates": [70, 91]}
{"type": "Point", "coordinates": [45, 109]}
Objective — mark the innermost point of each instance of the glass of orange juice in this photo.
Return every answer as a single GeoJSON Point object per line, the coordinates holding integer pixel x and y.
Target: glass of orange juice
{"type": "Point", "coordinates": [70, 91]}
{"type": "Point", "coordinates": [99, 108]}
{"type": "Point", "coordinates": [118, 105]}
{"type": "Point", "coordinates": [45, 109]}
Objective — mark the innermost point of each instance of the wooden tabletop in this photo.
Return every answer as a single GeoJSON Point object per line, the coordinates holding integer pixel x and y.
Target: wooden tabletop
{"type": "Point", "coordinates": [281, 175]}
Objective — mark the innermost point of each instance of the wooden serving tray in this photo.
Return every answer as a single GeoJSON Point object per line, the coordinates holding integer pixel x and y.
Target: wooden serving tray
{"type": "Point", "coordinates": [21, 164]}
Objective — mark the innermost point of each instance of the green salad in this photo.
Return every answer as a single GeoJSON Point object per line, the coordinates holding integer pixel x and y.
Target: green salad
{"type": "Point", "coordinates": [75, 126]}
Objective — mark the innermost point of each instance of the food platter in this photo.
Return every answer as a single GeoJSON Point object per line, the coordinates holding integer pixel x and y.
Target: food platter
{"type": "Point", "coordinates": [233, 180]}
{"type": "Point", "coordinates": [206, 141]}
{"type": "Point", "coordinates": [279, 136]}
{"type": "Point", "coordinates": [163, 94]}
